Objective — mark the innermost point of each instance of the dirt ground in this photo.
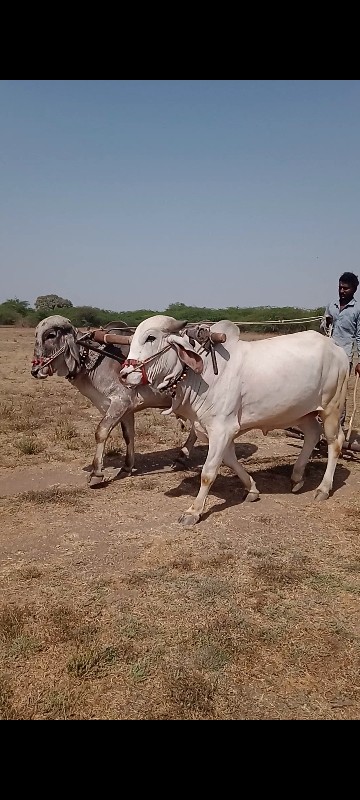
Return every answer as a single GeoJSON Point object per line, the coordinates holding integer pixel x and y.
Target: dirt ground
{"type": "Point", "coordinates": [109, 609]}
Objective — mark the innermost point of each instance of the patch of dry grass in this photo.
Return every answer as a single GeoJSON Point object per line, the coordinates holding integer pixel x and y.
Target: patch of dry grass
{"type": "Point", "coordinates": [191, 693]}
{"type": "Point", "coordinates": [16, 641]}
{"type": "Point", "coordinates": [275, 572]}
{"type": "Point", "coordinates": [90, 662]}
{"type": "Point", "coordinates": [55, 494]}
{"type": "Point", "coordinates": [7, 710]}
{"type": "Point", "coordinates": [65, 431]}
{"type": "Point", "coordinates": [20, 417]}
{"type": "Point", "coordinates": [30, 573]}
{"type": "Point", "coordinates": [112, 451]}
{"type": "Point", "coordinates": [64, 623]}
{"type": "Point", "coordinates": [29, 446]}
{"type": "Point", "coordinates": [12, 621]}
{"type": "Point", "coordinates": [148, 484]}
{"type": "Point", "coordinates": [59, 704]}
{"type": "Point", "coordinates": [7, 411]}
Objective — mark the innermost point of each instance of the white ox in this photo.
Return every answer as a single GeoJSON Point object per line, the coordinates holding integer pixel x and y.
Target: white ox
{"type": "Point", "coordinates": [266, 384]}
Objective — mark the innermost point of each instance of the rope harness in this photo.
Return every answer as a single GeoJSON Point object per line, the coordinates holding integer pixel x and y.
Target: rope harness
{"type": "Point", "coordinates": [39, 363]}
{"type": "Point", "coordinates": [87, 362]}
{"type": "Point", "coordinates": [139, 366]}
{"type": "Point", "coordinates": [199, 333]}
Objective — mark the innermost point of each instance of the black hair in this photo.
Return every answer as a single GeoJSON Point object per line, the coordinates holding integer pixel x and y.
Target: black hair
{"type": "Point", "coordinates": [351, 279]}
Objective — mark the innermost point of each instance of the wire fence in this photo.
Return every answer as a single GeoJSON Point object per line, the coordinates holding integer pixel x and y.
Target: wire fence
{"type": "Point", "coordinates": [272, 325]}
{"type": "Point", "coordinates": [279, 321]}
{"type": "Point", "coordinates": [260, 323]}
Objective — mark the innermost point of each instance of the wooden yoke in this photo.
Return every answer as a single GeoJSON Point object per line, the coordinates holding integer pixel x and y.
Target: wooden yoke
{"type": "Point", "coordinates": [207, 338]}
{"type": "Point", "coordinates": [102, 337]}
{"type": "Point", "coordinates": [217, 338]}
{"type": "Point", "coordinates": [203, 334]}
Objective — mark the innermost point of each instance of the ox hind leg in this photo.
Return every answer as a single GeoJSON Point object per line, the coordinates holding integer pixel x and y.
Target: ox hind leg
{"type": "Point", "coordinates": [311, 429]}
{"type": "Point", "coordinates": [219, 440]}
{"type": "Point", "coordinates": [231, 461]}
{"type": "Point", "coordinates": [189, 444]}
{"type": "Point", "coordinates": [112, 417]}
{"type": "Point", "coordinates": [184, 453]}
{"type": "Point", "coordinates": [127, 427]}
{"type": "Point", "coordinates": [335, 438]}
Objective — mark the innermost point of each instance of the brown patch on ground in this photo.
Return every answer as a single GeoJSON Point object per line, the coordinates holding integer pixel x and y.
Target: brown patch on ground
{"type": "Point", "coordinates": [111, 610]}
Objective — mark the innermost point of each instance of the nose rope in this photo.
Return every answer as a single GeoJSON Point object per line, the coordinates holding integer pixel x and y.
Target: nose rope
{"type": "Point", "coordinates": [139, 366]}
{"type": "Point", "coordinates": [40, 363]}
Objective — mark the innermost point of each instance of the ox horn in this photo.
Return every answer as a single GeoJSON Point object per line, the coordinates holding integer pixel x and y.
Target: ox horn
{"type": "Point", "coordinates": [175, 325]}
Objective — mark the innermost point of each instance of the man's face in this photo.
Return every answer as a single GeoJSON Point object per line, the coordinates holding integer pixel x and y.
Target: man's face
{"type": "Point", "coordinates": [346, 292]}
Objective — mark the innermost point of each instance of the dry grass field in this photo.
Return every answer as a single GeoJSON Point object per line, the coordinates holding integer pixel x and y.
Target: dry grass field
{"type": "Point", "coordinates": [109, 609]}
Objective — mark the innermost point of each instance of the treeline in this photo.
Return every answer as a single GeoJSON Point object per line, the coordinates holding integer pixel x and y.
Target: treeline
{"type": "Point", "coordinates": [19, 312]}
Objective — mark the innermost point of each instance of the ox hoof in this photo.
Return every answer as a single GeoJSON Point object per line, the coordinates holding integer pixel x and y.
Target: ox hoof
{"type": "Point", "coordinates": [179, 464]}
{"type": "Point", "coordinates": [296, 486]}
{"type": "Point", "coordinates": [126, 472]}
{"type": "Point", "coordinates": [251, 497]}
{"type": "Point", "coordinates": [188, 520]}
{"type": "Point", "coordinates": [96, 480]}
{"type": "Point", "coordinates": [320, 495]}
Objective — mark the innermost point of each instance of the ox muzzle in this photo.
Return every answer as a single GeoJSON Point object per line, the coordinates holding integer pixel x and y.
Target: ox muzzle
{"type": "Point", "coordinates": [40, 368]}
{"type": "Point", "coordinates": [137, 370]}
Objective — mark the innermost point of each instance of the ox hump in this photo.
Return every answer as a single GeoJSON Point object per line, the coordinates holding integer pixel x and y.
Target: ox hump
{"type": "Point", "coordinates": [229, 328]}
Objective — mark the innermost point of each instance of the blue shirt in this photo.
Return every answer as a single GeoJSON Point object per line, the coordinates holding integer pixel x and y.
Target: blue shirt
{"type": "Point", "coordinates": [346, 325]}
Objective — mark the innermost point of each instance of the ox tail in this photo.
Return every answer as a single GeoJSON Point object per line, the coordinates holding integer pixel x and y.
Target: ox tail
{"type": "Point", "coordinates": [343, 391]}
{"type": "Point", "coordinates": [337, 403]}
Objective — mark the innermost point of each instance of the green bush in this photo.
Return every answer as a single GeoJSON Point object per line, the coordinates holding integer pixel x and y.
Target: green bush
{"type": "Point", "coordinates": [18, 312]}
{"type": "Point", "coordinates": [8, 315]}
{"type": "Point", "coordinates": [254, 314]}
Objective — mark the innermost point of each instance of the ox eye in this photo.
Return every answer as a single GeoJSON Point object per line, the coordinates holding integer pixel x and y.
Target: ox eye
{"type": "Point", "coordinates": [150, 339]}
{"type": "Point", "coordinates": [51, 335]}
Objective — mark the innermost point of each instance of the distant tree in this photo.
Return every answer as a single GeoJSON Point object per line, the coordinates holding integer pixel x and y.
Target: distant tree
{"type": "Point", "coordinates": [51, 301]}
{"type": "Point", "coordinates": [20, 306]}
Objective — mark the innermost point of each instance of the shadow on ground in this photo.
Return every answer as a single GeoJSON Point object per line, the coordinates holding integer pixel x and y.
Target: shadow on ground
{"type": "Point", "coordinates": [161, 460]}
{"type": "Point", "coordinates": [274, 480]}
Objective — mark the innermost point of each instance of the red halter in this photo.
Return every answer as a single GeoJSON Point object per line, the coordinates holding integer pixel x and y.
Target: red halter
{"type": "Point", "coordinates": [139, 366]}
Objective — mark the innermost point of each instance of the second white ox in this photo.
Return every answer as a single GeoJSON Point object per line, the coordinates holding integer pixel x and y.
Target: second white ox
{"type": "Point", "coordinates": [266, 384]}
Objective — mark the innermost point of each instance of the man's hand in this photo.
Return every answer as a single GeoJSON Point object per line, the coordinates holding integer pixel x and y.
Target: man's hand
{"type": "Point", "coordinates": [357, 369]}
{"type": "Point", "coordinates": [325, 324]}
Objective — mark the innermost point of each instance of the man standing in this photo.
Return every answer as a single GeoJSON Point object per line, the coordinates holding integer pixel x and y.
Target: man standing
{"type": "Point", "coordinates": [342, 318]}
{"type": "Point", "coordinates": [342, 321]}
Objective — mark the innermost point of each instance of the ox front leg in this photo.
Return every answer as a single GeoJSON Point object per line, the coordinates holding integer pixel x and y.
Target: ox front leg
{"type": "Point", "coordinates": [218, 442]}
{"type": "Point", "coordinates": [102, 433]}
{"type": "Point", "coordinates": [335, 439]}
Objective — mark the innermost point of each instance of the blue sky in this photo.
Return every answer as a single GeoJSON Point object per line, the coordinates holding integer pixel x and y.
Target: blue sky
{"type": "Point", "coordinates": [136, 194]}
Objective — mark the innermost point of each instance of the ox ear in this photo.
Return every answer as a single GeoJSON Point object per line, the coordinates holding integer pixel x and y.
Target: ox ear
{"type": "Point", "coordinates": [71, 352]}
{"type": "Point", "coordinates": [186, 353]}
